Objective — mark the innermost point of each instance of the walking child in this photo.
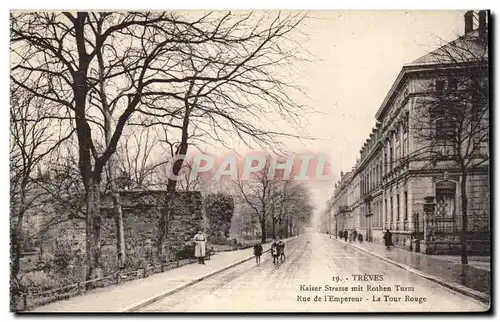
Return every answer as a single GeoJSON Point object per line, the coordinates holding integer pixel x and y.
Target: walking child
{"type": "Point", "coordinates": [275, 251]}
{"type": "Point", "coordinates": [257, 251]}
{"type": "Point", "coordinates": [281, 250]}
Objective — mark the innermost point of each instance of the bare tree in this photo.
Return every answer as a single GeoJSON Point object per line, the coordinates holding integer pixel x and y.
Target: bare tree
{"type": "Point", "coordinates": [31, 140]}
{"type": "Point", "coordinates": [275, 199]}
{"type": "Point", "coordinates": [147, 61]}
{"type": "Point", "coordinates": [257, 193]}
{"type": "Point", "coordinates": [294, 203]}
{"type": "Point", "coordinates": [54, 57]}
{"type": "Point", "coordinates": [141, 157]}
{"type": "Point", "coordinates": [238, 83]}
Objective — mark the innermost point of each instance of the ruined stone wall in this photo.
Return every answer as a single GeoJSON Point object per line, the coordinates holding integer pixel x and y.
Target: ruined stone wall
{"type": "Point", "coordinates": [141, 212]}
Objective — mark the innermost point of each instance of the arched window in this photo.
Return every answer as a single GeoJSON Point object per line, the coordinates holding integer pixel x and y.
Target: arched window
{"type": "Point", "coordinates": [446, 199]}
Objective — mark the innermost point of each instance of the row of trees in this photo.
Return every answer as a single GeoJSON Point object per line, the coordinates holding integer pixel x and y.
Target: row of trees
{"type": "Point", "coordinates": [105, 100]}
{"type": "Point", "coordinates": [284, 204]}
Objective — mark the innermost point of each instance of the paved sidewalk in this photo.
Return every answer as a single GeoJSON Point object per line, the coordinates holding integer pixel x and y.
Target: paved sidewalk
{"type": "Point", "coordinates": [444, 270]}
{"type": "Point", "coordinates": [479, 262]}
{"type": "Point", "coordinates": [126, 296]}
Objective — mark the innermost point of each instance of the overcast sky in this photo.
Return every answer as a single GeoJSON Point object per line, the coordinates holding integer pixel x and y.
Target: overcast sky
{"type": "Point", "coordinates": [361, 54]}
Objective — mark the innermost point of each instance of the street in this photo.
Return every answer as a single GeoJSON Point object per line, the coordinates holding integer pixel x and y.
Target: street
{"type": "Point", "coordinates": [318, 275]}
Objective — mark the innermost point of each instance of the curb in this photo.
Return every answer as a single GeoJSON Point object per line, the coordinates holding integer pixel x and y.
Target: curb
{"type": "Point", "coordinates": [155, 298]}
{"type": "Point", "coordinates": [482, 297]}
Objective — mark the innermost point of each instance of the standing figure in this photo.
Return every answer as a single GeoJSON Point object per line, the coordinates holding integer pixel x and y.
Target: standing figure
{"type": "Point", "coordinates": [257, 251]}
{"type": "Point", "coordinates": [388, 238]}
{"type": "Point", "coordinates": [350, 236]}
{"type": "Point", "coordinates": [199, 249]}
{"type": "Point", "coordinates": [281, 250]}
{"type": "Point", "coordinates": [354, 234]}
{"type": "Point", "coordinates": [345, 235]}
{"type": "Point", "coordinates": [275, 251]}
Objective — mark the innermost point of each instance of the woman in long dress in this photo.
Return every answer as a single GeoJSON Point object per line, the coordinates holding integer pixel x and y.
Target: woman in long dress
{"type": "Point", "coordinates": [199, 249]}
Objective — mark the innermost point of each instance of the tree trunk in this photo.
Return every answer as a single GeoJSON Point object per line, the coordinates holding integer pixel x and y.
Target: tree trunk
{"type": "Point", "coordinates": [171, 187]}
{"type": "Point", "coordinates": [93, 243]}
{"type": "Point", "coordinates": [15, 246]}
{"type": "Point", "coordinates": [15, 252]}
{"type": "Point", "coordinates": [163, 226]}
{"type": "Point", "coordinates": [463, 234]}
{"type": "Point", "coordinates": [120, 230]}
{"type": "Point", "coordinates": [263, 228]}
{"type": "Point", "coordinates": [117, 205]}
{"type": "Point", "coordinates": [274, 227]}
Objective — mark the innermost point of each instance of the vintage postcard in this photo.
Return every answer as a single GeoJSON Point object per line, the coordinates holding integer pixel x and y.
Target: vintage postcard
{"type": "Point", "coordinates": [250, 161]}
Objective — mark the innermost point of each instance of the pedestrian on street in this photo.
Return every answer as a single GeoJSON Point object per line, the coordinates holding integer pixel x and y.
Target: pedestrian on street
{"type": "Point", "coordinates": [354, 234]}
{"type": "Point", "coordinates": [350, 236]}
{"type": "Point", "coordinates": [257, 251]}
{"type": "Point", "coordinates": [346, 233]}
{"type": "Point", "coordinates": [199, 250]}
{"type": "Point", "coordinates": [281, 250]}
{"type": "Point", "coordinates": [388, 238]}
{"type": "Point", "coordinates": [275, 251]}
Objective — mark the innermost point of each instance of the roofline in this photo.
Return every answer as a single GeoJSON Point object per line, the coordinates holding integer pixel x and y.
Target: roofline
{"type": "Point", "coordinates": [415, 68]}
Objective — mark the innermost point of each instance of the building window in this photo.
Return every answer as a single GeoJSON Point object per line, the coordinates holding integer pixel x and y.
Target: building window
{"type": "Point", "coordinates": [398, 150]}
{"type": "Point", "coordinates": [398, 208]}
{"type": "Point", "coordinates": [444, 138]}
{"type": "Point", "coordinates": [386, 214]}
{"type": "Point", "coordinates": [380, 213]}
{"type": "Point", "coordinates": [445, 199]}
{"type": "Point", "coordinates": [452, 84]}
{"type": "Point", "coordinates": [439, 86]}
{"type": "Point", "coordinates": [386, 161]}
{"type": "Point", "coordinates": [445, 133]}
{"type": "Point", "coordinates": [391, 156]}
{"type": "Point", "coordinates": [405, 142]}
{"type": "Point", "coordinates": [406, 205]}
{"type": "Point", "coordinates": [392, 212]}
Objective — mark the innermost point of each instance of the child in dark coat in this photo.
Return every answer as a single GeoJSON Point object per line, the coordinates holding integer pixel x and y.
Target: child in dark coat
{"type": "Point", "coordinates": [257, 251]}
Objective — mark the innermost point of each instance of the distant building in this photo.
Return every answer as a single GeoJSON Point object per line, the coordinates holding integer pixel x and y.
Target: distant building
{"type": "Point", "coordinates": [387, 186]}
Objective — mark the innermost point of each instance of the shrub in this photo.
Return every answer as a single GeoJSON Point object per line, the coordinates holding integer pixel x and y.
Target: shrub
{"type": "Point", "coordinates": [136, 259]}
{"type": "Point", "coordinates": [186, 251]}
{"type": "Point", "coordinates": [219, 210]}
{"type": "Point", "coordinates": [40, 280]}
{"type": "Point", "coordinates": [62, 257]}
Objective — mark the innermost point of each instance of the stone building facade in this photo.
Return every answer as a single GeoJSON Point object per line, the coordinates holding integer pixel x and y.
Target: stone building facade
{"type": "Point", "coordinates": [402, 161]}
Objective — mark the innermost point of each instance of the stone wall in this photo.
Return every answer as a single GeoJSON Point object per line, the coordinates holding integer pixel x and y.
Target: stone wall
{"type": "Point", "coordinates": [141, 212]}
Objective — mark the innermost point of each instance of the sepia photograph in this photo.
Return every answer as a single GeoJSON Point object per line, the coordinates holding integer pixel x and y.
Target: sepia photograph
{"type": "Point", "coordinates": [250, 161]}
